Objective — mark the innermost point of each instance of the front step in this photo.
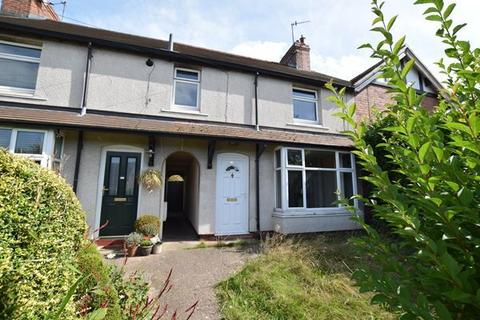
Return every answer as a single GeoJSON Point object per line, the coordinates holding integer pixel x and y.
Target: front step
{"type": "Point", "coordinates": [107, 243]}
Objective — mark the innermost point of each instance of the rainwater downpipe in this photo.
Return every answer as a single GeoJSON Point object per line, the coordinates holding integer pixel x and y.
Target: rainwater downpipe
{"type": "Point", "coordinates": [83, 111]}
{"type": "Point", "coordinates": [258, 153]}
{"type": "Point", "coordinates": [257, 123]}
{"type": "Point", "coordinates": [85, 80]}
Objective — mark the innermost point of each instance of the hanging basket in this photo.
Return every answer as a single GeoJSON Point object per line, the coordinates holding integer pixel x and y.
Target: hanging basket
{"type": "Point", "coordinates": [150, 179]}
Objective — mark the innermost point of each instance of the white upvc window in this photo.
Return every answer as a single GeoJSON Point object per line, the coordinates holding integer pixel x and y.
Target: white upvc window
{"type": "Point", "coordinates": [19, 65]}
{"type": "Point", "coordinates": [34, 144]}
{"type": "Point", "coordinates": [313, 179]}
{"type": "Point", "coordinates": [305, 105]}
{"type": "Point", "coordinates": [186, 88]}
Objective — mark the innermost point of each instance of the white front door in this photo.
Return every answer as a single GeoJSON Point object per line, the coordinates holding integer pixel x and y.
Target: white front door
{"type": "Point", "coordinates": [232, 194]}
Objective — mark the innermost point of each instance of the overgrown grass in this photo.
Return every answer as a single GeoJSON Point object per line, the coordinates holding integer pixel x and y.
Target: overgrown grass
{"type": "Point", "coordinates": [299, 278]}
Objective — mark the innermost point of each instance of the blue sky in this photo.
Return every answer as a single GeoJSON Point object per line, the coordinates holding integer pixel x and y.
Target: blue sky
{"type": "Point", "coordinates": [261, 28]}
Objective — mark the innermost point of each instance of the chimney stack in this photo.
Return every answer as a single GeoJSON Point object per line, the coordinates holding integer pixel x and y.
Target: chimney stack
{"type": "Point", "coordinates": [35, 9]}
{"type": "Point", "coordinates": [298, 55]}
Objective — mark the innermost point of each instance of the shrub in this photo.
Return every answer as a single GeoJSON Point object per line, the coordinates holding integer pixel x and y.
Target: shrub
{"type": "Point", "coordinates": [97, 290]}
{"type": "Point", "coordinates": [146, 243]}
{"type": "Point", "coordinates": [431, 204]}
{"type": "Point", "coordinates": [41, 228]}
{"type": "Point", "coordinates": [148, 225]}
{"type": "Point", "coordinates": [132, 291]}
{"type": "Point", "coordinates": [134, 239]}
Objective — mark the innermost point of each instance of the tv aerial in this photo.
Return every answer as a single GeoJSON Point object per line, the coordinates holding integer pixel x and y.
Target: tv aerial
{"type": "Point", "coordinates": [294, 24]}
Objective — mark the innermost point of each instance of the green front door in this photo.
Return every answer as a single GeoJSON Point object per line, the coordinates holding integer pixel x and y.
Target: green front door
{"type": "Point", "coordinates": [120, 193]}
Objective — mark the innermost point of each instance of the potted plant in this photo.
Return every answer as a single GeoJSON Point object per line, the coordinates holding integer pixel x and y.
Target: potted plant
{"type": "Point", "coordinates": [132, 242]}
{"type": "Point", "coordinates": [145, 247]}
{"type": "Point", "coordinates": [148, 225]}
{"type": "Point", "coordinates": [157, 245]}
{"type": "Point", "coordinates": [150, 179]}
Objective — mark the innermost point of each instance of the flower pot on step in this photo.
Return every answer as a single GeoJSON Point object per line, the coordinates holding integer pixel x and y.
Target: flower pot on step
{"type": "Point", "coordinates": [132, 251]}
{"type": "Point", "coordinates": [145, 250]}
{"type": "Point", "coordinates": [157, 248]}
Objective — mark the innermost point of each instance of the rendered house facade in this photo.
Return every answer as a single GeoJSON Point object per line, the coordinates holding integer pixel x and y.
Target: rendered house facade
{"type": "Point", "coordinates": [243, 145]}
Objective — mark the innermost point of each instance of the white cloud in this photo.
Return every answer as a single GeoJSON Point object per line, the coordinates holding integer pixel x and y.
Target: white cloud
{"type": "Point", "coordinates": [344, 67]}
{"type": "Point", "coordinates": [265, 50]}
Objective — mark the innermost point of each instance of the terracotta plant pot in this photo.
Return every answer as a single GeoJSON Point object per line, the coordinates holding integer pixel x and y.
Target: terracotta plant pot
{"type": "Point", "coordinates": [145, 251]}
{"type": "Point", "coordinates": [132, 251]}
{"type": "Point", "coordinates": [157, 248]}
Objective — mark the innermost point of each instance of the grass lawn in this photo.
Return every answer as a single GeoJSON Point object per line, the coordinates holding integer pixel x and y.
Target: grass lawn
{"type": "Point", "coordinates": [299, 278]}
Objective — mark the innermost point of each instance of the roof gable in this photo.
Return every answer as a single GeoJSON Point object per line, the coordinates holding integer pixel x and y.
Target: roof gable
{"type": "Point", "coordinates": [370, 75]}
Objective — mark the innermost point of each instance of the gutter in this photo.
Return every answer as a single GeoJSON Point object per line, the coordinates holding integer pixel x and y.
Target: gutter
{"type": "Point", "coordinates": [85, 80]}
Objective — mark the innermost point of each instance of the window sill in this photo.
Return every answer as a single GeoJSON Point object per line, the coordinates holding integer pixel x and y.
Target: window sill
{"type": "Point", "coordinates": [182, 111]}
{"type": "Point", "coordinates": [308, 125]}
{"type": "Point", "coordinates": [21, 95]}
{"type": "Point", "coordinates": [309, 213]}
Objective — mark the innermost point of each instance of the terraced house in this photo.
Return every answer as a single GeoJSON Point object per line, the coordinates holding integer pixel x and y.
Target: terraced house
{"type": "Point", "coordinates": [243, 145]}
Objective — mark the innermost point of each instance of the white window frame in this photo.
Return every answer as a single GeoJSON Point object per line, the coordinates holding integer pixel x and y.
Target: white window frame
{"type": "Point", "coordinates": [297, 120]}
{"type": "Point", "coordinates": [196, 82]}
{"type": "Point", "coordinates": [278, 169]}
{"type": "Point", "coordinates": [46, 156]}
{"type": "Point", "coordinates": [285, 167]}
{"type": "Point", "coordinates": [56, 163]}
{"type": "Point", "coordinates": [15, 57]}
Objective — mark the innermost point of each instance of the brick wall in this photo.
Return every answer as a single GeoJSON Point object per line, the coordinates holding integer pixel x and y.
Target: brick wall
{"type": "Point", "coordinates": [370, 98]}
{"type": "Point", "coordinates": [28, 9]}
{"type": "Point", "coordinates": [375, 97]}
{"type": "Point", "coordinates": [429, 102]}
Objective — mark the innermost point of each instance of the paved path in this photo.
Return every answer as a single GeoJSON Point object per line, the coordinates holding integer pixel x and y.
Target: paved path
{"type": "Point", "coordinates": [195, 273]}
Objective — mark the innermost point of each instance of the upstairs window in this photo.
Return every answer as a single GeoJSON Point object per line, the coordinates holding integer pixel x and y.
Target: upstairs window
{"type": "Point", "coordinates": [305, 105]}
{"type": "Point", "coordinates": [19, 67]}
{"type": "Point", "coordinates": [186, 88]}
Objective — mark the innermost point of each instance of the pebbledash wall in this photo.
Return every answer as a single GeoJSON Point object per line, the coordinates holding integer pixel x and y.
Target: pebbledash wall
{"type": "Point", "coordinates": [152, 202]}
{"type": "Point", "coordinates": [226, 96]}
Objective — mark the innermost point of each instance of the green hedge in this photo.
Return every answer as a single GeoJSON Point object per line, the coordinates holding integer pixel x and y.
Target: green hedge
{"type": "Point", "coordinates": [97, 283]}
{"type": "Point", "coordinates": [42, 226]}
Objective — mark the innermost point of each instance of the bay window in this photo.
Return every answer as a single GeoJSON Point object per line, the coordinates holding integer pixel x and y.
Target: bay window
{"type": "Point", "coordinates": [311, 179]}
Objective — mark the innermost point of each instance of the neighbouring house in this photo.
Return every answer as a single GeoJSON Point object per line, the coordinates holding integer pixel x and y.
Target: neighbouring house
{"type": "Point", "coordinates": [371, 91]}
{"type": "Point", "coordinates": [243, 145]}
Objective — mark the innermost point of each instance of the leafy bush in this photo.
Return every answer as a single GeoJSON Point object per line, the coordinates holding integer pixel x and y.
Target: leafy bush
{"type": "Point", "coordinates": [97, 290]}
{"type": "Point", "coordinates": [41, 228]}
{"type": "Point", "coordinates": [134, 239]}
{"type": "Point", "coordinates": [146, 243]}
{"type": "Point", "coordinates": [132, 291]}
{"type": "Point", "coordinates": [148, 225]}
{"type": "Point", "coordinates": [432, 203]}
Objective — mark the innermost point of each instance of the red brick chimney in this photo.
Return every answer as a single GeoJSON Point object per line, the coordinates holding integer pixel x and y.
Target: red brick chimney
{"type": "Point", "coordinates": [298, 56]}
{"type": "Point", "coordinates": [35, 9]}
